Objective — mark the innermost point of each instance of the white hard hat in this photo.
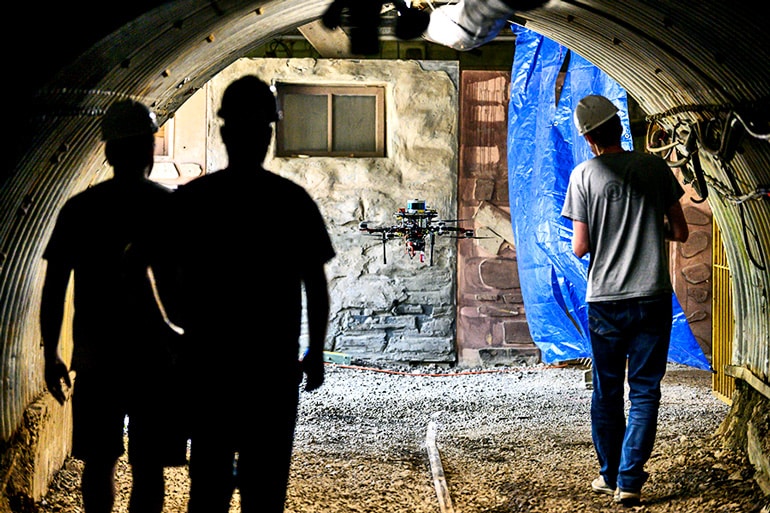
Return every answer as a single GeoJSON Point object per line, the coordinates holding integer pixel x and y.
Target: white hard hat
{"type": "Point", "coordinates": [128, 118]}
{"type": "Point", "coordinates": [592, 111]}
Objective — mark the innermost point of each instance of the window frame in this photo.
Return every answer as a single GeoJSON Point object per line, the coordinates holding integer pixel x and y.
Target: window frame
{"type": "Point", "coordinates": [164, 142]}
{"type": "Point", "coordinates": [330, 91]}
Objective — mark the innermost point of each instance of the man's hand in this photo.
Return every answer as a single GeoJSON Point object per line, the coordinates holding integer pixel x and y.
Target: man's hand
{"type": "Point", "coordinates": [57, 375]}
{"type": "Point", "coordinates": [313, 367]}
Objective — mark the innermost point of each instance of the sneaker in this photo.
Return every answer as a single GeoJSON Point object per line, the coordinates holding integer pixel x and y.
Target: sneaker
{"type": "Point", "coordinates": [598, 485]}
{"type": "Point", "coordinates": [627, 498]}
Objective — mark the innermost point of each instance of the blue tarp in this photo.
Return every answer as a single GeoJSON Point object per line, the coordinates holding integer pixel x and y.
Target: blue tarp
{"type": "Point", "coordinates": [543, 148]}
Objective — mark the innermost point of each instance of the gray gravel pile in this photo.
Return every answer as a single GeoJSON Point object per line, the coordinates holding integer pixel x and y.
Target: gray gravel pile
{"type": "Point", "coordinates": [503, 440]}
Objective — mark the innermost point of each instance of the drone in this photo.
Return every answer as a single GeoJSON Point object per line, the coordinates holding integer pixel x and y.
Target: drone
{"type": "Point", "coordinates": [417, 226]}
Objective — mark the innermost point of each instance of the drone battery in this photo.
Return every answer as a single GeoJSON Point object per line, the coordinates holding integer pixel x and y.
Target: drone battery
{"type": "Point", "coordinates": [415, 205]}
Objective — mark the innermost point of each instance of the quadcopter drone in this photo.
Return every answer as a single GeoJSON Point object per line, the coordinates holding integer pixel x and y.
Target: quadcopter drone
{"type": "Point", "coordinates": [417, 226]}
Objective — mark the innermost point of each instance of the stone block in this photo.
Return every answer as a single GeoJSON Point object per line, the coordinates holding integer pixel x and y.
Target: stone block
{"type": "Point", "coordinates": [698, 242]}
{"type": "Point", "coordinates": [509, 356]}
{"type": "Point", "coordinates": [516, 332]}
{"type": "Point", "coordinates": [697, 273]}
{"type": "Point", "coordinates": [421, 349]}
{"type": "Point", "coordinates": [361, 345]}
{"type": "Point", "coordinates": [499, 273]}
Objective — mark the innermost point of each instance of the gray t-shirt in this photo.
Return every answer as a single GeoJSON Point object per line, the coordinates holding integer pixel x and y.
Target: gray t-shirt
{"type": "Point", "coordinates": [623, 198]}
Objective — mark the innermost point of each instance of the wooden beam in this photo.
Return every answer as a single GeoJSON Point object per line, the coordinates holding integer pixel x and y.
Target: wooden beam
{"type": "Point", "coordinates": [331, 44]}
{"type": "Point", "coordinates": [437, 471]}
{"type": "Point", "coordinates": [746, 375]}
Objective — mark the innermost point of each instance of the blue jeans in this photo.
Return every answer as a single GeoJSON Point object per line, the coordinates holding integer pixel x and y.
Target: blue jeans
{"type": "Point", "coordinates": [633, 333]}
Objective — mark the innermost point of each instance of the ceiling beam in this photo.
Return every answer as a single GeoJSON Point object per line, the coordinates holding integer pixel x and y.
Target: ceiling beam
{"type": "Point", "coordinates": [330, 44]}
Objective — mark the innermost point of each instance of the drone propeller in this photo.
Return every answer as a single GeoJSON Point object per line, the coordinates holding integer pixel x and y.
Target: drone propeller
{"type": "Point", "coordinates": [363, 226]}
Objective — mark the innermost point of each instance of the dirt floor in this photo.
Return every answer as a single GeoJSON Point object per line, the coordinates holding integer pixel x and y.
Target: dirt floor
{"type": "Point", "coordinates": [502, 441]}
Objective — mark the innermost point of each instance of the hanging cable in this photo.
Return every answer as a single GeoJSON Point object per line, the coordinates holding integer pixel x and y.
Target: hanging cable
{"type": "Point", "coordinates": [684, 135]}
{"type": "Point", "coordinates": [761, 192]}
{"type": "Point", "coordinates": [691, 147]}
{"type": "Point", "coordinates": [744, 225]}
{"type": "Point", "coordinates": [757, 126]}
{"type": "Point", "coordinates": [655, 141]}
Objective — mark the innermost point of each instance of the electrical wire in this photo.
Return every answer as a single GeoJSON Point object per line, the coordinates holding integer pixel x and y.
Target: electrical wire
{"type": "Point", "coordinates": [744, 225]}
{"type": "Point", "coordinates": [747, 126]}
{"type": "Point", "coordinates": [759, 193]}
{"type": "Point", "coordinates": [726, 194]}
{"type": "Point", "coordinates": [690, 163]}
{"type": "Point", "coordinates": [696, 139]}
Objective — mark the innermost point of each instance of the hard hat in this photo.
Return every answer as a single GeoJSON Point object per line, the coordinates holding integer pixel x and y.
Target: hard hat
{"type": "Point", "coordinates": [250, 99]}
{"type": "Point", "coordinates": [592, 111]}
{"type": "Point", "coordinates": [127, 118]}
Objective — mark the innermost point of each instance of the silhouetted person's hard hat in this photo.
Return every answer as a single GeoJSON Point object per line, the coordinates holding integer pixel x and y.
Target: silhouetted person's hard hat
{"type": "Point", "coordinates": [128, 118]}
{"type": "Point", "coordinates": [249, 99]}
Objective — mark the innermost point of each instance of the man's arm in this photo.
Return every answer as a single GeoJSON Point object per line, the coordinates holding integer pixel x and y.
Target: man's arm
{"type": "Point", "coordinates": [580, 238]}
{"type": "Point", "coordinates": [51, 316]}
{"type": "Point", "coordinates": [317, 295]}
{"type": "Point", "coordinates": [676, 225]}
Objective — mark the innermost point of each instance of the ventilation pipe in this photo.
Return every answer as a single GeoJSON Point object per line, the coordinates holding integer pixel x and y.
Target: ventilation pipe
{"type": "Point", "coordinates": [468, 24]}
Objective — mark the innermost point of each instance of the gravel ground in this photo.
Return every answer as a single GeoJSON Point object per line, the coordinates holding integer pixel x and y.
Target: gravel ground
{"type": "Point", "coordinates": [501, 440]}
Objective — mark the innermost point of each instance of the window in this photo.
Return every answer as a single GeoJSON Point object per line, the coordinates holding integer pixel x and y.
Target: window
{"type": "Point", "coordinates": [164, 140]}
{"type": "Point", "coordinates": [327, 121]}
{"type": "Point", "coordinates": [166, 170]}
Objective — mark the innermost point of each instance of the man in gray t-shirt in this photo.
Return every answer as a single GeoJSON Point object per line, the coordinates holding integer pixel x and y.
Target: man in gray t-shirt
{"type": "Point", "coordinates": [624, 206]}
{"type": "Point", "coordinates": [622, 197]}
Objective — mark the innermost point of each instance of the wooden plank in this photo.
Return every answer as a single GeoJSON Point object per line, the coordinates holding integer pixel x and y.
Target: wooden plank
{"type": "Point", "coordinates": [437, 471]}
{"type": "Point", "coordinates": [331, 44]}
{"type": "Point", "coordinates": [746, 375]}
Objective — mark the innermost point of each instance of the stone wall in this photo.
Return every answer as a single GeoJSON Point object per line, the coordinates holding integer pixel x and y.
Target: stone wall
{"type": "Point", "coordinates": [492, 326]}
{"type": "Point", "coordinates": [691, 267]}
{"type": "Point", "coordinates": [388, 309]}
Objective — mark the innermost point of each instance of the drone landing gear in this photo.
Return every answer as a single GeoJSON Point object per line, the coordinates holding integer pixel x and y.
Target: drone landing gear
{"type": "Point", "coordinates": [384, 253]}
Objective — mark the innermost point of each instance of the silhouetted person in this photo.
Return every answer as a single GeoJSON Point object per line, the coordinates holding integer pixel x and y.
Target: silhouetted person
{"type": "Point", "coordinates": [255, 241]}
{"type": "Point", "coordinates": [122, 345]}
{"type": "Point", "coordinates": [624, 205]}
